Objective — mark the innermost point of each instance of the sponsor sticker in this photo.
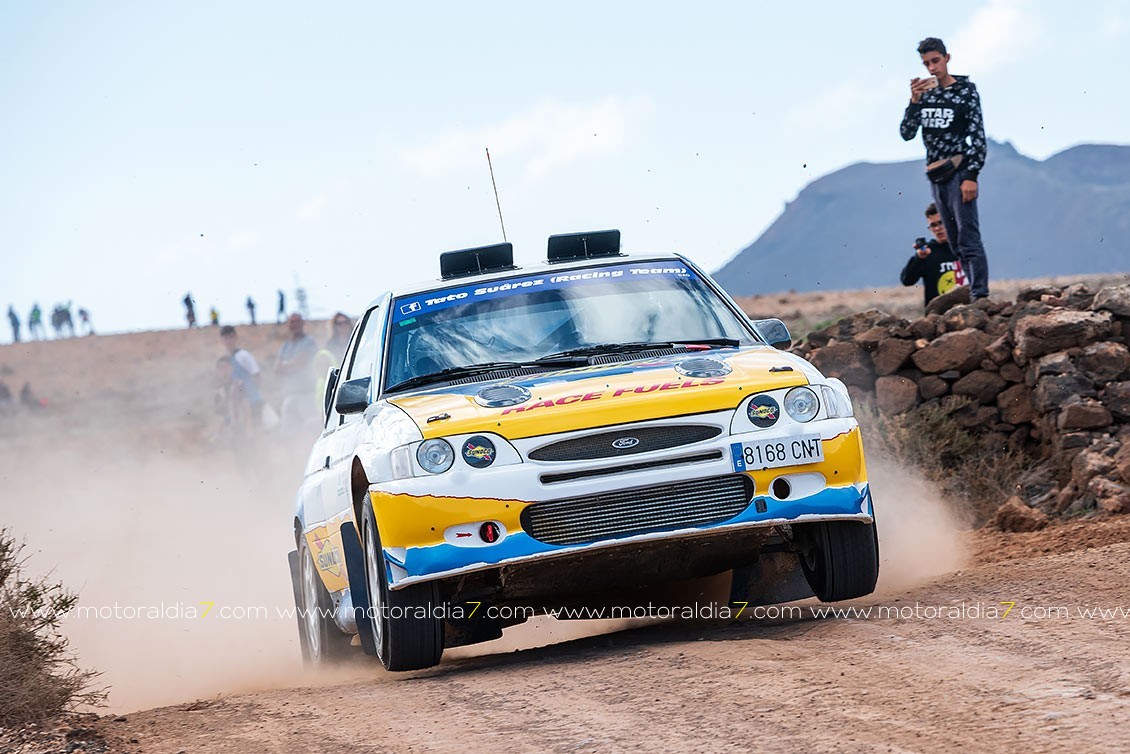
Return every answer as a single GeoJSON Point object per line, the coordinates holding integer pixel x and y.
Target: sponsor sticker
{"type": "Point", "coordinates": [763, 411]}
{"type": "Point", "coordinates": [478, 452]}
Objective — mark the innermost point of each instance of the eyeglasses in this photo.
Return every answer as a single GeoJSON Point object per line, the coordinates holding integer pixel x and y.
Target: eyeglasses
{"type": "Point", "coordinates": [938, 224]}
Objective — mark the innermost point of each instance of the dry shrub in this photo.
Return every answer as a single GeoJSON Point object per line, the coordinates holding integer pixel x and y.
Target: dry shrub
{"type": "Point", "coordinates": [40, 678]}
{"type": "Point", "coordinates": [976, 479]}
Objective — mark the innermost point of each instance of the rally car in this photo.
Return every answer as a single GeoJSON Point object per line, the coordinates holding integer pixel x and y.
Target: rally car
{"type": "Point", "coordinates": [506, 438]}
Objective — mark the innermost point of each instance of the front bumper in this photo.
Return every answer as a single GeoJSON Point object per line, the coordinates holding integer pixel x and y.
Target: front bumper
{"type": "Point", "coordinates": [429, 536]}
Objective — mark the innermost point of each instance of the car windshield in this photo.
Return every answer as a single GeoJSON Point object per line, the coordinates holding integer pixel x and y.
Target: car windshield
{"type": "Point", "coordinates": [525, 318]}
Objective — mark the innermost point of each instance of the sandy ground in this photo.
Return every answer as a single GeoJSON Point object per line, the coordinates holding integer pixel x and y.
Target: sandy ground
{"type": "Point", "coordinates": [122, 493]}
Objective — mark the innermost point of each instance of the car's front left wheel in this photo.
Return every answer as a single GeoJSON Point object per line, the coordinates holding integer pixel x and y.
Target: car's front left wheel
{"type": "Point", "coordinates": [406, 627]}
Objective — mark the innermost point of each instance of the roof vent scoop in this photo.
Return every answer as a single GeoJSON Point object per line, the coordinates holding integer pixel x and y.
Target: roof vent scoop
{"type": "Point", "coordinates": [590, 245]}
{"type": "Point", "coordinates": [457, 264]}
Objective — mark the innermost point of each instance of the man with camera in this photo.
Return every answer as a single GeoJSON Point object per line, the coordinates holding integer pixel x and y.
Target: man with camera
{"type": "Point", "coordinates": [933, 263]}
{"type": "Point", "coordinates": [948, 109]}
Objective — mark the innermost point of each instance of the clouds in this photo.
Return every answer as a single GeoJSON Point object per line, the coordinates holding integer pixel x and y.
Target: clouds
{"type": "Point", "coordinates": [999, 33]}
{"type": "Point", "coordinates": [313, 209]}
{"type": "Point", "coordinates": [549, 136]}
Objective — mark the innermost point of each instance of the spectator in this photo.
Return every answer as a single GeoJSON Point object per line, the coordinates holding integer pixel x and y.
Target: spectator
{"type": "Point", "coordinates": [282, 307]}
{"type": "Point", "coordinates": [14, 319]}
{"type": "Point", "coordinates": [933, 263]}
{"type": "Point", "coordinates": [295, 367]}
{"type": "Point", "coordinates": [84, 318]}
{"type": "Point", "coordinates": [6, 401]}
{"type": "Point", "coordinates": [244, 376]}
{"type": "Point", "coordinates": [948, 109]}
{"type": "Point", "coordinates": [214, 316]}
{"type": "Point", "coordinates": [251, 309]}
{"type": "Point", "coordinates": [189, 310]}
{"type": "Point", "coordinates": [35, 323]}
{"type": "Point", "coordinates": [342, 328]}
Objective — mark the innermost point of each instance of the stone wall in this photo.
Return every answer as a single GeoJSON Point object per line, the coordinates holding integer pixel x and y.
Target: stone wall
{"type": "Point", "coordinates": [1047, 375]}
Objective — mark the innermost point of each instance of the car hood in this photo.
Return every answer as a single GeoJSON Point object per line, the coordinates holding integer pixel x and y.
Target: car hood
{"type": "Point", "coordinates": [605, 395]}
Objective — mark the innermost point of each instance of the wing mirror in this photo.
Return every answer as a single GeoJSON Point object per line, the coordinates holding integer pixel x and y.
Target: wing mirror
{"type": "Point", "coordinates": [353, 396]}
{"type": "Point", "coordinates": [774, 332]}
{"type": "Point", "coordinates": [331, 383]}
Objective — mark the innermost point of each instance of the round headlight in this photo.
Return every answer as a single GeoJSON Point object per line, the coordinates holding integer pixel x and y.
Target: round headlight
{"type": "Point", "coordinates": [802, 404]}
{"type": "Point", "coordinates": [435, 456]}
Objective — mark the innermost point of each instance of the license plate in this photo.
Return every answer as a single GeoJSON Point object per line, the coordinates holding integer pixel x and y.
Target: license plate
{"type": "Point", "coordinates": [769, 454]}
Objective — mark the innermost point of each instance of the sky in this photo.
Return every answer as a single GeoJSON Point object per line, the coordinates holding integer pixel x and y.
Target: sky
{"type": "Point", "coordinates": [231, 149]}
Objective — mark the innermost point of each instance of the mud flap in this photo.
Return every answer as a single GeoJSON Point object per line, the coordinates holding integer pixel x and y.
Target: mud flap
{"type": "Point", "coordinates": [775, 577]}
{"type": "Point", "coordinates": [295, 575]}
{"type": "Point", "coordinates": [355, 570]}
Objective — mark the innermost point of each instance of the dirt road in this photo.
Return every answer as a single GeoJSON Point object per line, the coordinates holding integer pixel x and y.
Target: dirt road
{"type": "Point", "coordinates": [1032, 680]}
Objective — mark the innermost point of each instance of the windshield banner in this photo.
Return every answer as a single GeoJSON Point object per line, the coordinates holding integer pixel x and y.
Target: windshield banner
{"type": "Point", "coordinates": [410, 307]}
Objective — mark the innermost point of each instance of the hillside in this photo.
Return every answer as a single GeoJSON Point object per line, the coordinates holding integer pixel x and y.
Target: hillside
{"type": "Point", "coordinates": [1068, 214]}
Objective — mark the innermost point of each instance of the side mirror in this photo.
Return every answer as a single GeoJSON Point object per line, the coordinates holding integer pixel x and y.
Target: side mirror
{"type": "Point", "coordinates": [353, 396]}
{"type": "Point", "coordinates": [774, 332]}
{"type": "Point", "coordinates": [331, 383]}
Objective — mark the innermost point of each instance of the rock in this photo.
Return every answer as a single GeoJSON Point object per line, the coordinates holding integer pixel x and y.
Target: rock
{"type": "Point", "coordinates": [895, 395]}
{"type": "Point", "coordinates": [1011, 372]}
{"type": "Point", "coordinates": [1116, 397]}
{"type": "Point", "coordinates": [1086, 414]}
{"type": "Point", "coordinates": [1037, 292]}
{"type": "Point", "coordinates": [962, 350]}
{"type": "Point", "coordinates": [1105, 362]}
{"type": "Point", "coordinates": [847, 328]}
{"type": "Point", "coordinates": [1122, 463]}
{"type": "Point", "coordinates": [973, 417]}
{"type": "Point", "coordinates": [963, 317]}
{"type": "Point", "coordinates": [1039, 334]}
{"type": "Point", "coordinates": [1000, 350]}
{"type": "Point", "coordinates": [1053, 392]}
{"type": "Point", "coordinates": [1014, 515]}
{"type": "Point", "coordinates": [1077, 296]}
{"type": "Point", "coordinates": [891, 354]}
{"type": "Point", "coordinates": [932, 386]}
{"type": "Point", "coordinates": [924, 327]}
{"type": "Point", "coordinates": [1090, 463]}
{"type": "Point", "coordinates": [1053, 363]}
{"type": "Point", "coordinates": [1015, 403]}
{"type": "Point", "coordinates": [997, 326]}
{"type": "Point", "coordinates": [980, 385]}
{"type": "Point", "coordinates": [1114, 299]}
{"type": "Point", "coordinates": [951, 375]}
{"type": "Point", "coordinates": [946, 301]}
{"type": "Point", "coordinates": [1110, 496]}
{"type": "Point", "coordinates": [846, 361]}
{"type": "Point", "coordinates": [869, 339]}
{"type": "Point", "coordinates": [988, 364]}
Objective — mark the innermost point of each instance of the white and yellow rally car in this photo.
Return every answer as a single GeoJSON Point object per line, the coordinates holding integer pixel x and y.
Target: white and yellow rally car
{"type": "Point", "coordinates": [551, 435]}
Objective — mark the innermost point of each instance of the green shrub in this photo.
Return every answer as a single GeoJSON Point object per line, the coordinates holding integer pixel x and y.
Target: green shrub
{"type": "Point", "coordinates": [40, 678]}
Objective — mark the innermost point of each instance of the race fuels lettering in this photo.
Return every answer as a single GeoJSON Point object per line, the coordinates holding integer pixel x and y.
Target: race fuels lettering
{"type": "Point", "coordinates": [617, 393]}
{"type": "Point", "coordinates": [424, 303]}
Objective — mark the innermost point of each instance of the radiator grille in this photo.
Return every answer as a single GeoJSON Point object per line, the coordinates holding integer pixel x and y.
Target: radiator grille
{"type": "Point", "coordinates": [670, 506]}
{"type": "Point", "coordinates": [609, 445]}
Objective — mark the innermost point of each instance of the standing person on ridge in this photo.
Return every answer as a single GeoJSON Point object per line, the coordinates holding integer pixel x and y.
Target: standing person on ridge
{"type": "Point", "coordinates": [14, 319]}
{"type": "Point", "coordinates": [948, 109]}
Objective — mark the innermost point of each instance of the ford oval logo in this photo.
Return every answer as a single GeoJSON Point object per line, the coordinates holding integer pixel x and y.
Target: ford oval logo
{"type": "Point", "coordinates": [623, 443]}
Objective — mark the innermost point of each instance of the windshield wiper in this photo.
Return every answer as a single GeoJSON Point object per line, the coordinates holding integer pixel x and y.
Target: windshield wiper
{"type": "Point", "coordinates": [454, 373]}
{"type": "Point", "coordinates": [603, 348]}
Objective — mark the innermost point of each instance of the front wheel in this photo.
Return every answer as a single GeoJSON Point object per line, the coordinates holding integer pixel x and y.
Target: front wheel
{"type": "Point", "coordinates": [407, 632]}
{"type": "Point", "coordinates": [323, 643]}
{"type": "Point", "coordinates": [840, 559]}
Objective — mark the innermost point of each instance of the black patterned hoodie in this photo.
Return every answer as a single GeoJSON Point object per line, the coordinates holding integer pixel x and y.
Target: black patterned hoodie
{"type": "Point", "coordinates": [951, 124]}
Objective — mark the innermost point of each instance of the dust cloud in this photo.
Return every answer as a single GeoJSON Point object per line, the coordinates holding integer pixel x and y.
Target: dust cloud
{"type": "Point", "coordinates": [919, 530]}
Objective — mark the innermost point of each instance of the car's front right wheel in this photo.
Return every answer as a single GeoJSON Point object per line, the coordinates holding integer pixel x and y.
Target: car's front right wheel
{"type": "Point", "coordinates": [406, 627]}
{"type": "Point", "coordinates": [840, 559]}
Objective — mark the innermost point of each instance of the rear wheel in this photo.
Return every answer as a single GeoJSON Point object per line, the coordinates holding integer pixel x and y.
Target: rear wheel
{"type": "Point", "coordinates": [323, 643]}
{"type": "Point", "coordinates": [840, 559]}
{"type": "Point", "coordinates": [408, 634]}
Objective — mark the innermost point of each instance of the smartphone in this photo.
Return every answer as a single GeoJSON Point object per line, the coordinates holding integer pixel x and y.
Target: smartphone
{"type": "Point", "coordinates": [920, 243]}
{"type": "Point", "coordinates": [930, 82]}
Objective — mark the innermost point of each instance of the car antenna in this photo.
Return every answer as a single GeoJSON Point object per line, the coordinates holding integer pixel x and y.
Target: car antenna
{"type": "Point", "coordinates": [496, 202]}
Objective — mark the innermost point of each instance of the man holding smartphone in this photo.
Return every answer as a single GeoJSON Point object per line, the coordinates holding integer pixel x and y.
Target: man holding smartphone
{"type": "Point", "coordinates": [948, 109]}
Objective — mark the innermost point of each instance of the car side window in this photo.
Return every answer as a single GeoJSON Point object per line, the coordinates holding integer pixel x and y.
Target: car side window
{"type": "Point", "coordinates": [365, 357]}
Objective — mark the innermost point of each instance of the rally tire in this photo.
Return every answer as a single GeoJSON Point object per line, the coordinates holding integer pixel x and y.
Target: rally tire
{"type": "Point", "coordinates": [840, 559]}
{"type": "Point", "coordinates": [323, 643]}
{"type": "Point", "coordinates": [408, 634]}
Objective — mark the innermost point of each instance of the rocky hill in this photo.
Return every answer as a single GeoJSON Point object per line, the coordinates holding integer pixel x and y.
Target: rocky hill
{"type": "Point", "coordinates": [1047, 377]}
{"type": "Point", "coordinates": [854, 228]}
